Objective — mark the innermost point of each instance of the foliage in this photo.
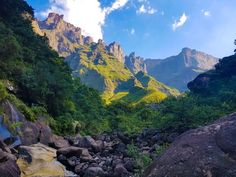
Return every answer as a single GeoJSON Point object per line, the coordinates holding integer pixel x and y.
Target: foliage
{"type": "Point", "coordinates": [160, 149]}
{"type": "Point", "coordinates": [142, 160]}
{"type": "Point", "coordinates": [3, 92]}
{"type": "Point", "coordinates": [235, 44]}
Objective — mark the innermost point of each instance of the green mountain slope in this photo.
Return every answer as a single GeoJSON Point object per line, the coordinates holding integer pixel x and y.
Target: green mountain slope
{"type": "Point", "coordinates": [100, 66]}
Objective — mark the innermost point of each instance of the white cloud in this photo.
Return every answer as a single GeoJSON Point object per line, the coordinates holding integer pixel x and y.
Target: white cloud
{"type": "Point", "coordinates": [116, 5]}
{"type": "Point", "coordinates": [146, 10]}
{"type": "Point", "coordinates": [132, 32]}
{"type": "Point", "coordinates": [180, 22]}
{"type": "Point", "coordinates": [206, 13]}
{"type": "Point", "coordinates": [86, 14]}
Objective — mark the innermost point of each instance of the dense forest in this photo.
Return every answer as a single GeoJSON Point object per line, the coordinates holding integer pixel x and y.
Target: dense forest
{"type": "Point", "coordinates": [43, 85]}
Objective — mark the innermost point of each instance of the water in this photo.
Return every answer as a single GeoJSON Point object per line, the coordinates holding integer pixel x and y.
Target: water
{"type": "Point", "coordinates": [5, 134]}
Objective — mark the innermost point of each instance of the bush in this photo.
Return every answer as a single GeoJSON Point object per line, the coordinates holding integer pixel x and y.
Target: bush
{"type": "Point", "coordinates": [3, 92]}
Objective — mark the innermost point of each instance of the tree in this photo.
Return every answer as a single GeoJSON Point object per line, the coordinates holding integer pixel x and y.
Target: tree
{"type": "Point", "coordinates": [235, 44]}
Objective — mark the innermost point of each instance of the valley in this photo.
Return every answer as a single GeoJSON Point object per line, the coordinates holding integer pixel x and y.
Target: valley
{"type": "Point", "coordinates": [70, 106]}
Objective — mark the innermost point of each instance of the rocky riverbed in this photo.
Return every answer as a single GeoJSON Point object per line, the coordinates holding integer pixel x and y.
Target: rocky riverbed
{"type": "Point", "coordinates": [33, 150]}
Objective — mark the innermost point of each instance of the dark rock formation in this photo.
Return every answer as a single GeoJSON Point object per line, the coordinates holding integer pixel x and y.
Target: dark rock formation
{"type": "Point", "coordinates": [214, 81]}
{"type": "Point", "coordinates": [208, 151]}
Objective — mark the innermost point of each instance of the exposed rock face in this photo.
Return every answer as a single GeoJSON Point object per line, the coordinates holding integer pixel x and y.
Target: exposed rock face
{"type": "Point", "coordinates": [116, 50]}
{"type": "Point", "coordinates": [135, 63]}
{"type": "Point", "coordinates": [177, 71]}
{"type": "Point", "coordinates": [208, 151]}
{"type": "Point", "coordinates": [39, 160]}
{"type": "Point", "coordinates": [63, 37]}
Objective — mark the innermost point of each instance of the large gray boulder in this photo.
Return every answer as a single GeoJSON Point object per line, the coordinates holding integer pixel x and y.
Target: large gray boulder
{"type": "Point", "coordinates": [8, 166]}
{"type": "Point", "coordinates": [208, 151]}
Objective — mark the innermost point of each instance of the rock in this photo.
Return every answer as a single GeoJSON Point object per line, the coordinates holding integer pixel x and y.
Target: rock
{"type": "Point", "coordinates": [32, 133]}
{"type": "Point", "coordinates": [9, 168]}
{"type": "Point", "coordinates": [90, 143]}
{"type": "Point", "coordinates": [135, 63]}
{"type": "Point", "coordinates": [45, 133]}
{"type": "Point", "coordinates": [73, 161]}
{"type": "Point", "coordinates": [206, 151]}
{"type": "Point", "coordinates": [82, 153]}
{"type": "Point", "coordinates": [225, 139]}
{"type": "Point", "coordinates": [130, 164]}
{"type": "Point", "coordinates": [120, 149]}
{"type": "Point", "coordinates": [27, 132]}
{"type": "Point", "coordinates": [80, 168]}
{"type": "Point", "coordinates": [8, 165]}
{"type": "Point", "coordinates": [123, 138]}
{"type": "Point", "coordinates": [39, 160]}
{"type": "Point", "coordinates": [85, 156]}
{"type": "Point", "coordinates": [70, 151]}
{"type": "Point", "coordinates": [4, 147]}
{"type": "Point", "coordinates": [170, 138]}
{"type": "Point", "coordinates": [94, 172]}
{"type": "Point", "coordinates": [58, 142]}
{"type": "Point", "coordinates": [116, 50]}
{"type": "Point", "coordinates": [120, 171]}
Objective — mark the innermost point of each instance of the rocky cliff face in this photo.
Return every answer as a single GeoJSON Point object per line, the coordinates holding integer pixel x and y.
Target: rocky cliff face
{"type": "Point", "coordinates": [116, 50]}
{"type": "Point", "coordinates": [177, 71]}
{"type": "Point", "coordinates": [135, 63]}
{"type": "Point", "coordinates": [63, 37]}
{"type": "Point", "coordinates": [98, 65]}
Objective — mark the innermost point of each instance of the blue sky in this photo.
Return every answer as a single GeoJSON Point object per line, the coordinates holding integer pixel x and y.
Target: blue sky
{"type": "Point", "coordinates": [152, 28]}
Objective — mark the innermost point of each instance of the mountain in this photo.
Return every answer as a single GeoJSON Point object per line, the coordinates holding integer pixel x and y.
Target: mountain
{"type": "Point", "coordinates": [98, 65]}
{"type": "Point", "coordinates": [177, 71]}
{"type": "Point", "coordinates": [135, 63]}
{"type": "Point", "coordinates": [220, 80]}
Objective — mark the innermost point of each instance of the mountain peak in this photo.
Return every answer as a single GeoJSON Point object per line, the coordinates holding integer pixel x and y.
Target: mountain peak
{"type": "Point", "coordinates": [115, 49]}
{"type": "Point", "coordinates": [135, 63]}
{"type": "Point", "coordinates": [186, 49]}
{"type": "Point", "coordinates": [55, 16]}
{"type": "Point", "coordinates": [53, 19]}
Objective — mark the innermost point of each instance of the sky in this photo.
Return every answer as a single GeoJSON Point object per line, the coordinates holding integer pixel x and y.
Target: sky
{"type": "Point", "coordinates": [151, 28]}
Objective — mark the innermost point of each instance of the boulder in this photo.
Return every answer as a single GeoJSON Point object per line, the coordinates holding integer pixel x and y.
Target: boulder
{"type": "Point", "coordinates": [94, 172]}
{"type": "Point", "coordinates": [71, 151]}
{"type": "Point", "coordinates": [80, 168]}
{"type": "Point", "coordinates": [90, 143]}
{"type": "Point", "coordinates": [58, 142]}
{"type": "Point", "coordinates": [39, 160]}
{"type": "Point", "coordinates": [8, 166]}
{"type": "Point", "coordinates": [207, 151]}
{"type": "Point", "coordinates": [120, 171]}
